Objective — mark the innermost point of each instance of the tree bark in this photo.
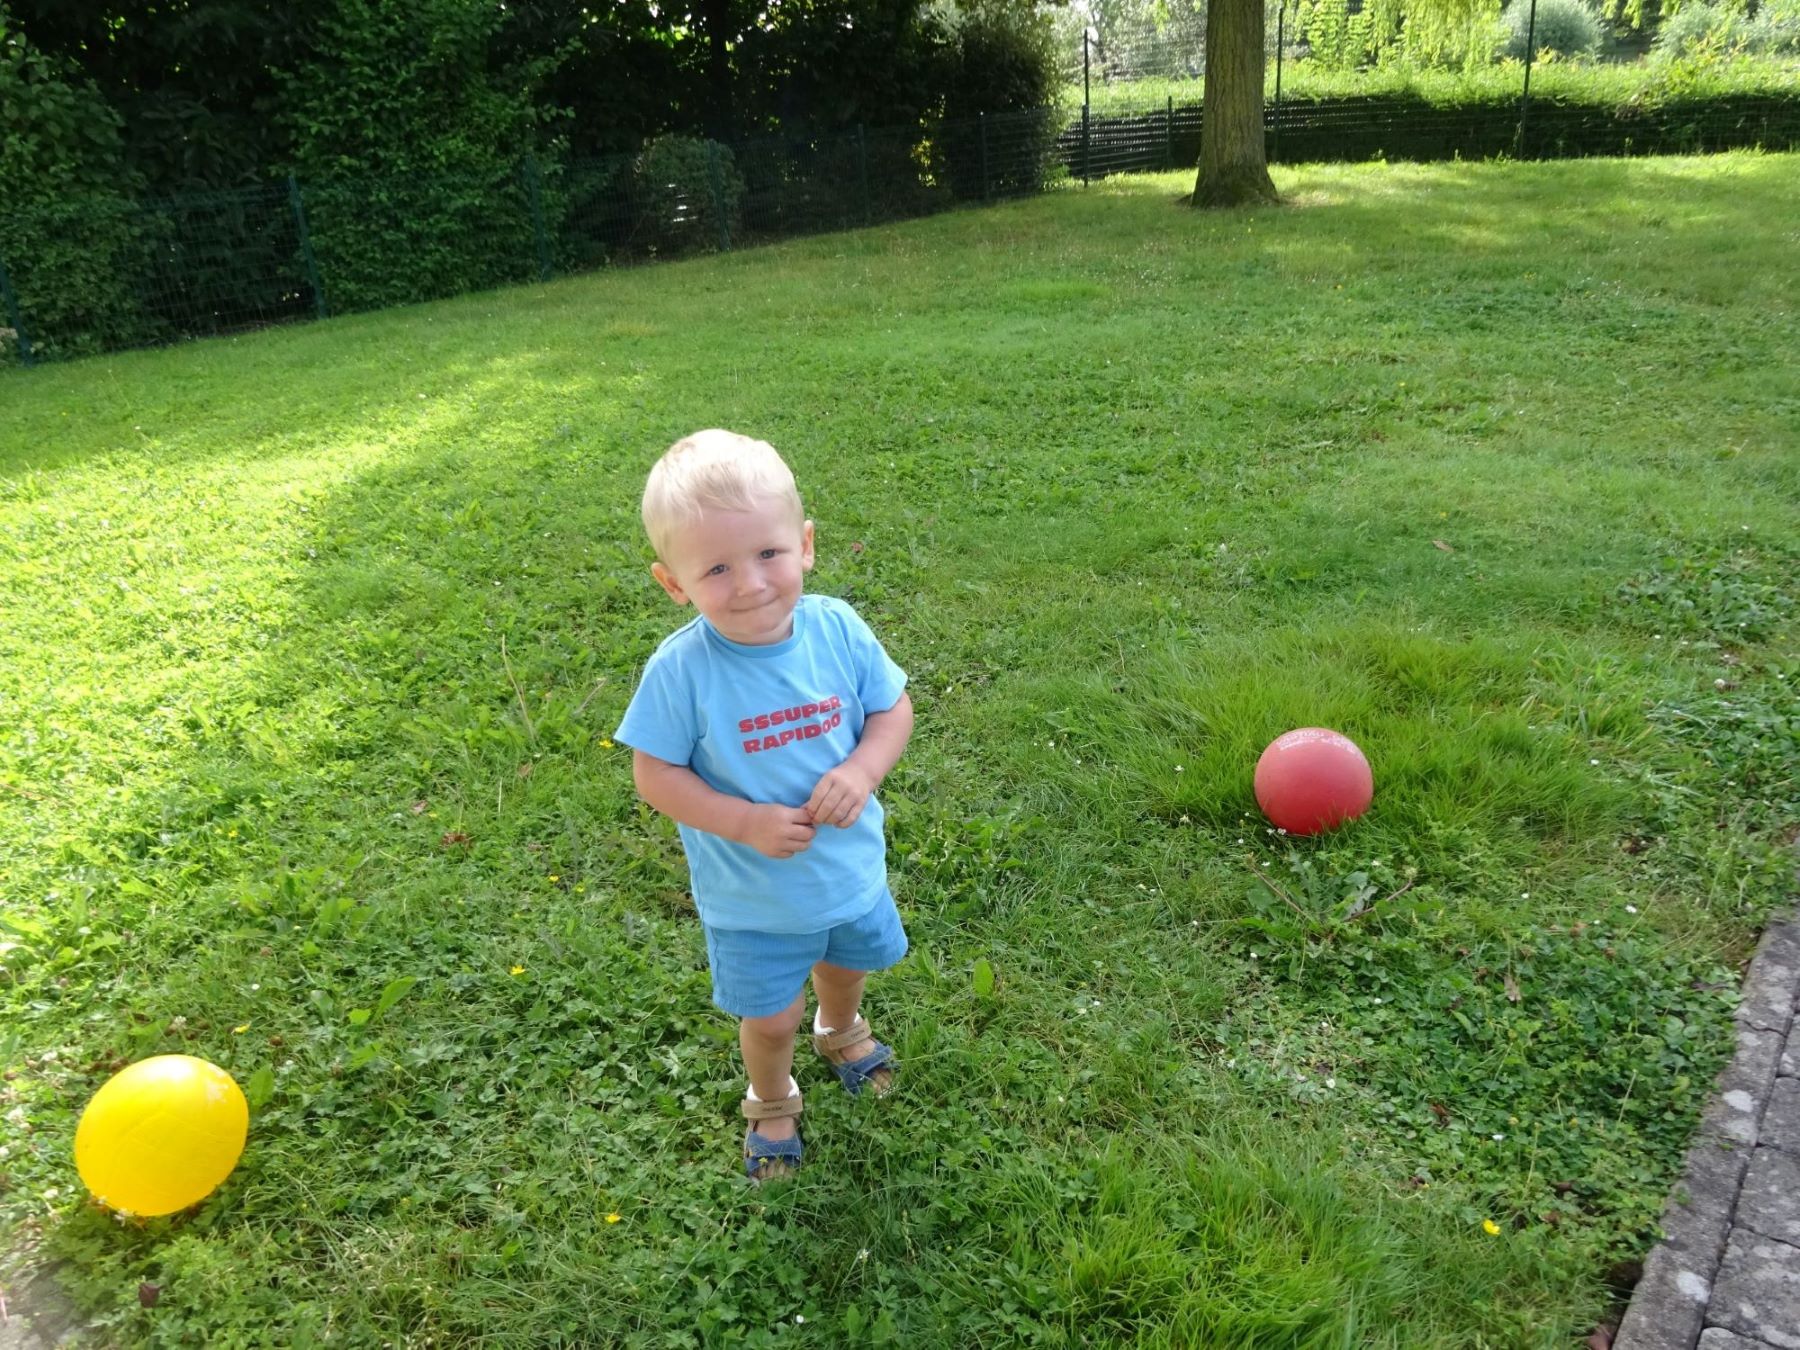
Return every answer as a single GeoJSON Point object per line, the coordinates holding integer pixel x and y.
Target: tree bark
{"type": "Point", "coordinates": [1234, 168]}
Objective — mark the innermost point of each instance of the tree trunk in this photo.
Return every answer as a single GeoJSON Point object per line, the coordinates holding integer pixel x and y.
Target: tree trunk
{"type": "Point", "coordinates": [1234, 169]}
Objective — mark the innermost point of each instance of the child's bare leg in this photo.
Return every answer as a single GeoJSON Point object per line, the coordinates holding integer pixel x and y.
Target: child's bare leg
{"type": "Point", "coordinates": [840, 992]}
{"type": "Point", "coordinates": [768, 1046]}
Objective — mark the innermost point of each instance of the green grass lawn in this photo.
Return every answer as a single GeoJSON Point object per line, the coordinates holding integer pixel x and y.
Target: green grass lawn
{"type": "Point", "coordinates": [311, 642]}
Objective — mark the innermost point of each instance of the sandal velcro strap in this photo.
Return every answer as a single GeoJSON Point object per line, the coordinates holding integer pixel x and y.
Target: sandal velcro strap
{"type": "Point", "coordinates": [786, 1106]}
{"type": "Point", "coordinates": [829, 1041]}
{"type": "Point", "coordinates": [856, 1074]}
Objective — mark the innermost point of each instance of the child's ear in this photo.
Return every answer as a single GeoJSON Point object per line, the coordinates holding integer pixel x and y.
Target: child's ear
{"type": "Point", "coordinates": [666, 579]}
{"type": "Point", "coordinates": [806, 547]}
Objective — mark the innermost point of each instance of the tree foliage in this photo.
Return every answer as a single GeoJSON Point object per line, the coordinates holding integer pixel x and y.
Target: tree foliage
{"type": "Point", "coordinates": [192, 82]}
{"type": "Point", "coordinates": [217, 93]}
{"type": "Point", "coordinates": [66, 231]}
{"type": "Point", "coordinates": [1420, 32]}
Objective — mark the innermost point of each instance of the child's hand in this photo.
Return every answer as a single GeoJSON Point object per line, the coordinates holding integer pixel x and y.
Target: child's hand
{"type": "Point", "coordinates": [840, 796]}
{"type": "Point", "coordinates": [779, 831]}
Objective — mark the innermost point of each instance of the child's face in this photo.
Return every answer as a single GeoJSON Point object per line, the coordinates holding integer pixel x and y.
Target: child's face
{"type": "Point", "coordinates": [741, 569]}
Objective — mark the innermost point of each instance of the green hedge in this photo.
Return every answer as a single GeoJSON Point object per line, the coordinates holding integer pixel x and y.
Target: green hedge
{"type": "Point", "coordinates": [67, 243]}
{"type": "Point", "coordinates": [1415, 127]}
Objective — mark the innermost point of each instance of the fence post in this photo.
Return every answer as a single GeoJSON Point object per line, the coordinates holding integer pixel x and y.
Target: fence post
{"type": "Point", "coordinates": [862, 171]}
{"type": "Point", "coordinates": [1169, 132]}
{"type": "Point", "coordinates": [718, 195]}
{"type": "Point", "coordinates": [534, 192]}
{"type": "Point", "coordinates": [1280, 42]}
{"type": "Point", "coordinates": [1087, 145]}
{"type": "Point", "coordinates": [306, 248]}
{"type": "Point", "coordinates": [15, 319]}
{"type": "Point", "coordinates": [986, 192]}
{"type": "Point", "coordinates": [1530, 51]}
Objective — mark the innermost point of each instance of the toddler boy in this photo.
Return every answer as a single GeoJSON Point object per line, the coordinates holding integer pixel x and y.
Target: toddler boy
{"type": "Point", "coordinates": [763, 728]}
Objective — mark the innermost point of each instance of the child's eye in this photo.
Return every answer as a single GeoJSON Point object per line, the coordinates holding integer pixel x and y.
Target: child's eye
{"type": "Point", "coordinates": [716, 570]}
{"type": "Point", "coordinates": [768, 553]}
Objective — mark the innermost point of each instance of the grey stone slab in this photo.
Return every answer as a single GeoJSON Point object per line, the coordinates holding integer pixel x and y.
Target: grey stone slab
{"type": "Point", "coordinates": [1780, 1127]}
{"type": "Point", "coordinates": [1669, 1305]}
{"type": "Point", "coordinates": [1790, 1058]}
{"type": "Point", "coordinates": [1757, 1293]}
{"type": "Point", "coordinates": [1698, 1214]}
{"type": "Point", "coordinates": [1731, 1117]}
{"type": "Point", "coordinates": [1717, 1338]}
{"type": "Point", "coordinates": [1770, 1201]}
{"type": "Point", "coordinates": [39, 1315]}
{"type": "Point", "coordinates": [1668, 1308]}
{"type": "Point", "coordinates": [1768, 997]}
{"type": "Point", "coordinates": [1744, 1084]}
{"type": "Point", "coordinates": [1757, 1060]}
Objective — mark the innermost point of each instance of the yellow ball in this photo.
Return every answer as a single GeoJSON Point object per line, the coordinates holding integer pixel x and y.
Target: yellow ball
{"type": "Point", "coordinates": [161, 1134]}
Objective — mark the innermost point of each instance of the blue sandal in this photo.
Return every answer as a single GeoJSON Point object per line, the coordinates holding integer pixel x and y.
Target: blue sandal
{"type": "Point", "coordinates": [857, 1074]}
{"type": "Point", "coordinates": [768, 1159]}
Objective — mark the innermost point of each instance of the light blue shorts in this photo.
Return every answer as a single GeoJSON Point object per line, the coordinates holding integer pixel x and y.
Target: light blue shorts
{"type": "Point", "coordinates": [757, 974]}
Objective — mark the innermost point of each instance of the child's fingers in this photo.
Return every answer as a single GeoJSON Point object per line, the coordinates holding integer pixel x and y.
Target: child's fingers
{"type": "Point", "coordinates": [826, 803]}
{"type": "Point", "coordinates": [824, 795]}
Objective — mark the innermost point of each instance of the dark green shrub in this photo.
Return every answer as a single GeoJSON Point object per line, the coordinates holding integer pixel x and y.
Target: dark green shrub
{"type": "Point", "coordinates": [1566, 27]}
{"type": "Point", "coordinates": [998, 56]}
{"type": "Point", "coordinates": [687, 196]}
{"type": "Point", "coordinates": [409, 135]}
{"type": "Point", "coordinates": [999, 68]}
{"type": "Point", "coordinates": [68, 234]}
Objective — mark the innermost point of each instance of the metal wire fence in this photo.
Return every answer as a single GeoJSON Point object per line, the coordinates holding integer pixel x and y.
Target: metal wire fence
{"type": "Point", "coordinates": [109, 272]}
{"type": "Point", "coordinates": [105, 273]}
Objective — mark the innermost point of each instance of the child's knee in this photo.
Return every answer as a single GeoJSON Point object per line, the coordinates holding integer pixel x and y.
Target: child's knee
{"type": "Point", "coordinates": [777, 1026]}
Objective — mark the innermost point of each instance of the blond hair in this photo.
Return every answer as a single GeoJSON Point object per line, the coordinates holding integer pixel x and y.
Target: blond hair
{"type": "Point", "coordinates": [717, 471]}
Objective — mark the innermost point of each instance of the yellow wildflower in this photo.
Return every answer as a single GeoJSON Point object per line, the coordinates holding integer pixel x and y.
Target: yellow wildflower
{"type": "Point", "coordinates": [1491, 1228]}
{"type": "Point", "coordinates": [613, 1218]}
{"type": "Point", "coordinates": [516, 970]}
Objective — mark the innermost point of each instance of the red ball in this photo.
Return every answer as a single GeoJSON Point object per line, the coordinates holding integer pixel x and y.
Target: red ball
{"type": "Point", "coordinates": [1313, 779]}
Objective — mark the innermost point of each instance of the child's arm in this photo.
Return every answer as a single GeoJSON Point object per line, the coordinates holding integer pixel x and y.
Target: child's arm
{"type": "Point", "coordinates": [681, 794]}
{"type": "Point", "coordinates": [842, 793]}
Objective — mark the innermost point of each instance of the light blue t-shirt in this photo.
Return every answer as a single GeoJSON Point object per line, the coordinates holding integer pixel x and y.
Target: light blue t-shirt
{"type": "Point", "coordinates": [765, 723]}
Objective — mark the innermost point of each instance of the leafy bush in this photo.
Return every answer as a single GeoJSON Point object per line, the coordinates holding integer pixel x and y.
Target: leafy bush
{"type": "Point", "coordinates": [407, 134]}
{"type": "Point", "coordinates": [1703, 29]}
{"type": "Point", "coordinates": [687, 196]}
{"type": "Point", "coordinates": [999, 56]}
{"type": "Point", "coordinates": [1566, 27]}
{"type": "Point", "coordinates": [67, 235]}
{"type": "Point", "coordinates": [1775, 31]}
{"type": "Point", "coordinates": [1693, 27]}
{"type": "Point", "coordinates": [999, 64]}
